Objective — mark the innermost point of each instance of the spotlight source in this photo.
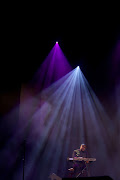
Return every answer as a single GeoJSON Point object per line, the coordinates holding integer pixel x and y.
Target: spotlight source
{"type": "Point", "coordinates": [56, 42]}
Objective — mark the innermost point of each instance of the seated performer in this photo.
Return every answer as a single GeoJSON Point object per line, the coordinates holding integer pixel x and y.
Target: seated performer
{"type": "Point", "coordinates": [80, 168]}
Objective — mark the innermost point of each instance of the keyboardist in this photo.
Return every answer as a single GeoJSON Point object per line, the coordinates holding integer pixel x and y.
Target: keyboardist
{"type": "Point", "coordinates": [80, 167]}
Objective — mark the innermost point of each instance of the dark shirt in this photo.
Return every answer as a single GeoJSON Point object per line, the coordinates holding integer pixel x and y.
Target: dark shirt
{"type": "Point", "coordinates": [79, 153]}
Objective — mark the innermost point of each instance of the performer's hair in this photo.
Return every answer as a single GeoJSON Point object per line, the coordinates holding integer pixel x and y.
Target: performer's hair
{"type": "Point", "coordinates": [82, 145]}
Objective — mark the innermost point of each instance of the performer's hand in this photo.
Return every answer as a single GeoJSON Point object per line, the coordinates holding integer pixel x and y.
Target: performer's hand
{"type": "Point", "coordinates": [80, 158]}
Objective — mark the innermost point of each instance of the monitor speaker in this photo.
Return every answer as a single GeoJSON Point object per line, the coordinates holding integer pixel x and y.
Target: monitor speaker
{"type": "Point", "coordinates": [90, 178]}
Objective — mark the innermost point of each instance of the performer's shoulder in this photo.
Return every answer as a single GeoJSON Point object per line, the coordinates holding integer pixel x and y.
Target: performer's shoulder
{"type": "Point", "coordinates": [76, 150]}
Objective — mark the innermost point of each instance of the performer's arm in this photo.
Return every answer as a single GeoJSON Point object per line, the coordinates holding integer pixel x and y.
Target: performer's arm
{"type": "Point", "coordinates": [73, 154]}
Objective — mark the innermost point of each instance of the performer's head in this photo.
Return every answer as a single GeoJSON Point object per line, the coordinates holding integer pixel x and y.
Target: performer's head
{"type": "Point", "coordinates": [82, 147]}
